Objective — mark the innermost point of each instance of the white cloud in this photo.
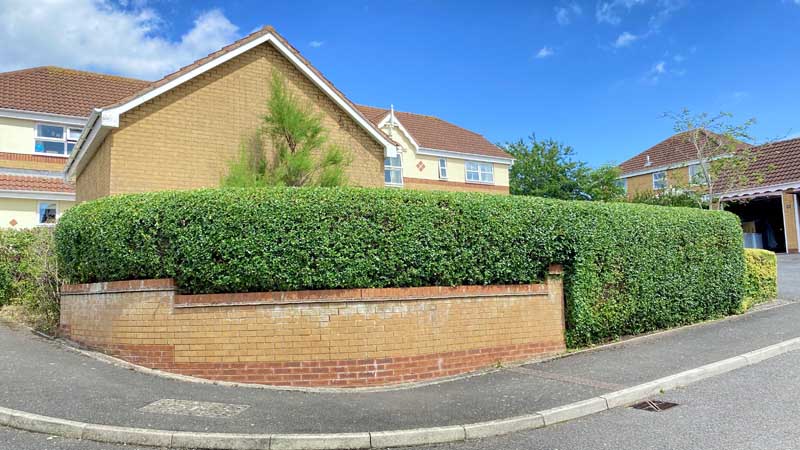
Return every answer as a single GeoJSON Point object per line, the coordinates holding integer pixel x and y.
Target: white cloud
{"type": "Point", "coordinates": [316, 44]}
{"type": "Point", "coordinates": [566, 12]}
{"type": "Point", "coordinates": [611, 12]}
{"type": "Point", "coordinates": [655, 73]}
{"type": "Point", "coordinates": [98, 35]}
{"type": "Point", "coordinates": [625, 39]}
{"type": "Point", "coordinates": [544, 52]}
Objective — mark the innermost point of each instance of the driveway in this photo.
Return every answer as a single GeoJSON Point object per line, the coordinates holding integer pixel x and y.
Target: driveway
{"type": "Point", "coordinates": [789, 277]}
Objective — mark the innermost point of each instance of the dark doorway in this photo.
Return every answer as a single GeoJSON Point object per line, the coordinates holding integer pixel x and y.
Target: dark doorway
{"type": "Point", "coordinates": [763, 218]}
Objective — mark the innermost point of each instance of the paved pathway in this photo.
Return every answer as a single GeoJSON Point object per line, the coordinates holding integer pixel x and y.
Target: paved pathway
{"type": "Point", "coordinates": [789, 277]}
{"type": "Point", "coordinates": [41, 377]}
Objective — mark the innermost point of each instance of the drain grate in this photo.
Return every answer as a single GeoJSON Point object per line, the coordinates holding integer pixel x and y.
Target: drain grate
{"type": "Point", "coordinates": [654, 405]}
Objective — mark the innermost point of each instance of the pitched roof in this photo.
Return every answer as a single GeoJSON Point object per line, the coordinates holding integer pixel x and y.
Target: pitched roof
{"type": "Point", "coordinates": [229, 48]}
{"type": "Point", "coordinates": [434, 133]}
{"type": "Point", "coordinates": [672, 151]}
{"type": "Point", "coordinates": [67, 92]}
{"type": "Point", "coordinates": [34, 183]}
{"type": "Point", "coordinates": [775, 163]}
{"type": "Point", "coordinates": [265, 34]}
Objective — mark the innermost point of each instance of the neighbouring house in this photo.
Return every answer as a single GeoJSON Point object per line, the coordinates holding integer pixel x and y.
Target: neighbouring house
{"type": "Point", "coordinates": [766, 202]}
{"type": "Point", "coordinates": [182, 131]}
{"type": "Point", "coordinates": [43, 111]}
{"type": "Point", "coordinates": [435, 154]}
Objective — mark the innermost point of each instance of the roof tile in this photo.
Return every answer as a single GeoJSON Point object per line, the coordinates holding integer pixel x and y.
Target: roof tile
{"type": "Point", "coordinates": [434, 133]}
{"type": "Point", "coordinates": [68, 92]}
{"type": "Point", "coordinates": [33, 183]}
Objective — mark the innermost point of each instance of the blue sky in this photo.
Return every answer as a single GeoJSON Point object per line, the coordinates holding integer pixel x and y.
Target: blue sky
{"type": "Point", "coordinates": [596, 75]}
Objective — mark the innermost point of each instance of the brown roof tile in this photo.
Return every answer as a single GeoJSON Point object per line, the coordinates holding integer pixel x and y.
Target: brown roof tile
{"type": "Point", "coordinates": [775, 163]}
{"type": "Point", "coordinates": [34, 183]}
{"type": "Point", "coordinates": [672, 151]}
{"type": "Point", "coordinates": [61, 91]}
{"type": "Point", "coordinates": [435, 133]}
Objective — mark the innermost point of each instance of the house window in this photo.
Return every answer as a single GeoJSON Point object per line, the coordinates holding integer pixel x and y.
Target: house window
{"type": "Point", "coordinates": [393, 171]}
{"type": "Point", "coordinates": [442, 168]}
{"type": "Point", "coordinates": [479, 172]}
{"type": "Point", "coordinates": [47, 213]}
{"type": "Point", "coordinates": [622, 183]}
{"type": "Point", "coordinates": [55, 139]}
{"type": "Point", "coordinates": [659, 180]}
{"type": "Point", "coordinates": [696, 175]}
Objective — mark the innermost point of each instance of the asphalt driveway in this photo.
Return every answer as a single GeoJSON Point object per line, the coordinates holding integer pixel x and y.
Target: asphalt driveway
{"type": "Point", "coordinates": [789, 277]}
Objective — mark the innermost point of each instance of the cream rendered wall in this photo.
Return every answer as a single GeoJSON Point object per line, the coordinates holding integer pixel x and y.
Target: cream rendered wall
{"type": "Point", "coordinates": [430, 171]}
{"type": "Point", "coordinates": [26, 211]}
{"type": "Point", "coordinates": [17, 135]}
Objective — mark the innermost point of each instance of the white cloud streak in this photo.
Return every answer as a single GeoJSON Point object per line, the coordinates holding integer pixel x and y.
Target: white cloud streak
{"type": "Point", "coordinates": [625, 39]}
{"type": "Point", "coordinates": [567, 12]}
{"type": "Point", "coordinates": [545, 52]}
{"type": "Point", "coordinates": [98, 35]}
{"type": "Point", "coordinates": [316, 44]}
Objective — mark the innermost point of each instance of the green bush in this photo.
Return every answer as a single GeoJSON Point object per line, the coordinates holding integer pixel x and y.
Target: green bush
{"type": "Point", "coordinates": [761, 277]}
{"type": "Point", "coordinates": [629, 268]}
{"type": "Point", "coordinates": [29, 275]}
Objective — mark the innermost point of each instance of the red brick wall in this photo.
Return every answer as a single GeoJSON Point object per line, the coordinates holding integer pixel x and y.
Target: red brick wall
{"type": "Point", "coordinates": [348, 338]}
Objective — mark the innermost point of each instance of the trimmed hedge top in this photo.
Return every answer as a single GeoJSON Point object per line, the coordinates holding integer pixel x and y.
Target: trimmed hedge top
{"type": "Point", "coordinates": [630, 268]}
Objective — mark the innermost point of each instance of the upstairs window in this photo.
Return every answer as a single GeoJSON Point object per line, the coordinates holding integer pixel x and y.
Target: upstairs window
{"type": "Point", "coordinates": [393, 171]}
{"type": "Point", "coordinates": [55, 139]}
{"type": "Point", "coordinates": [478, 172]}
{"type": "Point", "coordinates": [696, 175]}
{"type": "Point", "coordinates": [659, 180]}
{"type": "Point", "coordinates": [442, 169]}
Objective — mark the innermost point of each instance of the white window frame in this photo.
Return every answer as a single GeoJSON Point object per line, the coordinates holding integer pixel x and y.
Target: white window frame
{"type": "Point", "coordinates": [393, 168]}
{"type": "Point", "coordinates": [442, 168]}
{"type": "Point", "coordinates": [39, 215]}
{"type": "Point", "coordinates": [65, 139]}
{"type": "Point", "coordinates": [663, 179]}
{"type": "Point", "coordinates": [480, 169]}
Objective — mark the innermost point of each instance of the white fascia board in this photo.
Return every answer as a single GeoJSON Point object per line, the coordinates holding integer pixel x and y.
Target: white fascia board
{"type": "Point", "coordinates": [111, 116]}
{"type": "Point", "coordinates": [43, 117]}
{"type": "Point", "coordinates": [660, 168]}
{"type": "Point", "coordinates": [465, 156]}
{"type": "Point", "coordinates": [85, 144]}
{"type": "Point", "coordinates": [38, 195]}
{"type": "Point", "coordinates": [399, 125]}
{"type": "Point", "coordinates": [763, 190]}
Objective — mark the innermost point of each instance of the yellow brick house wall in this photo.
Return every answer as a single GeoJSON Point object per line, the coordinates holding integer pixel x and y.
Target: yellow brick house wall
{"type": "Point", "coordinates": [186, 137]}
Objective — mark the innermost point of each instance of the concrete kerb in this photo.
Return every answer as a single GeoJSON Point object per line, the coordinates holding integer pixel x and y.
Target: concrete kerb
{"type": "Point", "coordinates": [383, 439]}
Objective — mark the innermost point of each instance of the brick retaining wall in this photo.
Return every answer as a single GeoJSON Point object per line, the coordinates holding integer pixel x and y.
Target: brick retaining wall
{"type": "Point", "coordinates": [347, 337]}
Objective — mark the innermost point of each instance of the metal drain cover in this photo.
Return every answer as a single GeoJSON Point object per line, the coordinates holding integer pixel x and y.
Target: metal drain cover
{"type": "Point", "coordinates": [193, 408]}
{"type": "Point", "coordinates": [654, 405]}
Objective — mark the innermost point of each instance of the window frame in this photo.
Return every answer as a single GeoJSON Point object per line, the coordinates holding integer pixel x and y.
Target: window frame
{"type": "Point", "coordinates": [699, 173]}
{"type": "Point", "coordinates": [39, 213]}
{"type": "Point", "coordinates": [390, 167]}
{"type": "Point", "coordinates": [480, 165]}
{"type": "Point", "coordinates": [442, 167]}
{"type": "Point", "coordinates": [623, 182]}
{"type": "Point", "coordinates": [65, 139]}
{"type": "Point", "coordinates": [663, 179]}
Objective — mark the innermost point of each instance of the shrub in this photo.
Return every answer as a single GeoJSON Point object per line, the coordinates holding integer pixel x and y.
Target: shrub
{"type": "Point", "coordinates": [629, 268]}
{"type": "Point", "coordinates": [670, 197]}
{"type": "Point", "coordinates": [29, 276]}
{"type": "Point", "coordinates": [761, 277]}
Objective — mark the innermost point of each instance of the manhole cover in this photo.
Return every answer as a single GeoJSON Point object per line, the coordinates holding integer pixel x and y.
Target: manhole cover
{"type": "Point", "coordinates": [193, 408]}
{"type": "Point", "coordinates": [654, 405]}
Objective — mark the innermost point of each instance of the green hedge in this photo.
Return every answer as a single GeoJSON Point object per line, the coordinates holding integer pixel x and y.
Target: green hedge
{"type": "Point", "coordinates": [629, 268]}
{"type": "Point", "coordinates": [761, 277]}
